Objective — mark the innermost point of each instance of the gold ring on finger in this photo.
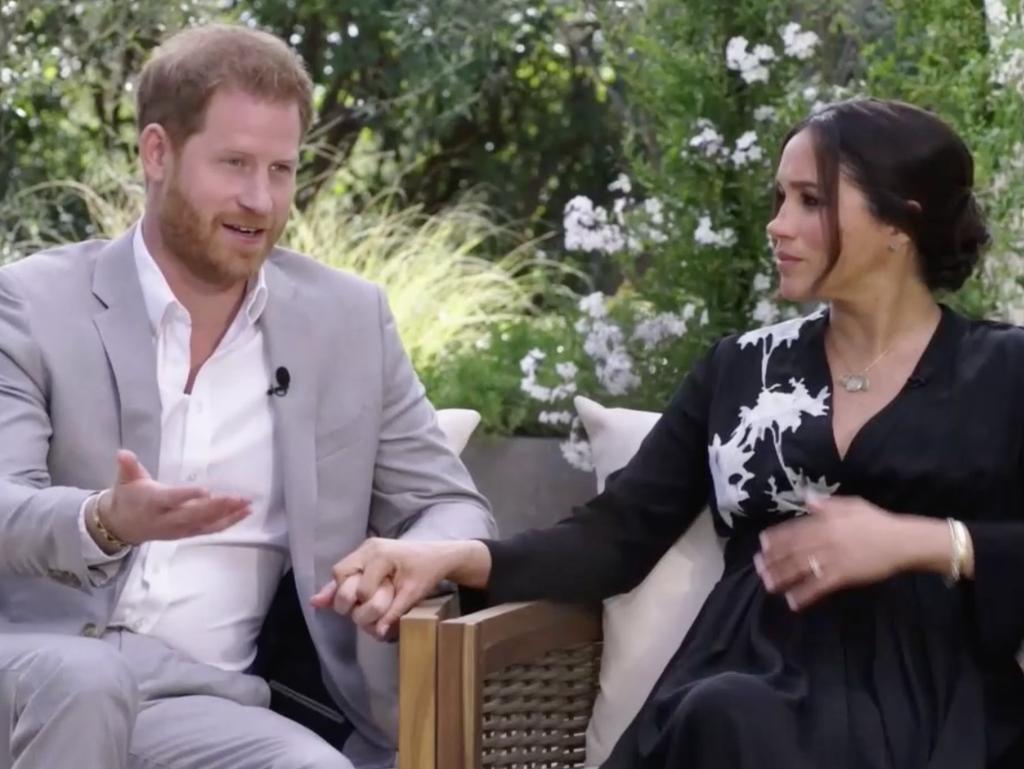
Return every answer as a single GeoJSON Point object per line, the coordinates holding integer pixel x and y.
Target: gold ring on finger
{"type": "Point", "coordinates": [814, 565]}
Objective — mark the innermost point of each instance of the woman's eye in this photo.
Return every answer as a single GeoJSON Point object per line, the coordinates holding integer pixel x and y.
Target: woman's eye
{"type": "Point", "coordinates": [811, 201]}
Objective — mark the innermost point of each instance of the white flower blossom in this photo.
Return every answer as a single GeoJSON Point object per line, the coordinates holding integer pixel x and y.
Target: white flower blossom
{"type": "Point", "coordinates": [593, 305]}
{"type": "Point", "coordinates": [765, 313]}
{"type": "Point", "coordinates": [654, 209]}
{"type": "Point", "coordinates": [797, 42]}
{"type": "Point", "coordinates": [587, 228]}
{"type": "Point", "coordinates": [750, 64]}
{"type": "Point", "coordinates": [621, 184]}
{"type": "Point", "coordinates": [555, 417]}
{"type": "Point", "coordinates": [651, 332]}
{"type": "Point", "coordinates": [705, 234]}
{"type": "Point", "coordinates": [616, 372]}
{"type": "Point", "coordinates": [747, 150]}
{"type": "Point", "coordinates": [529, 363]}
{"type": "Point", "coordinates": [762, 283]}
{"type": "Point", "coordinates": [567, 371]}
{"type": "Point", "coordinates": [604, 343]}
{"type": "Point", "coordinates": [577, 453]}
{"type": "Point", "coordinates": [765, 114]}
{"type": "Point", "coordinates": [707, 140]}
{"type": "Point", "coordinates": [529, 385]}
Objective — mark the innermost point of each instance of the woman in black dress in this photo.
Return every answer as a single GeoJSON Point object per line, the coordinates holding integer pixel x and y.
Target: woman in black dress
{"type": "Point", "coordinates": [866, 465]}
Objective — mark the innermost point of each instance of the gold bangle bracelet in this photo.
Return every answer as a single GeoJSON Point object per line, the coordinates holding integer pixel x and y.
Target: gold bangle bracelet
{"type": "Point", "coordinates": [958, 537]}
{"type": "Point", "coordinates": [108, 536]}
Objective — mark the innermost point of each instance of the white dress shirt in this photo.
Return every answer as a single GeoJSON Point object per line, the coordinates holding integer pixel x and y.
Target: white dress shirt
{"type": "Point", "coordinates": [207, 596]}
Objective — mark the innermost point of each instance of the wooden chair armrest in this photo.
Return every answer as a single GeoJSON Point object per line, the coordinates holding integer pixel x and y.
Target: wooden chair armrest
{"type": "Point", "coordinates": [520, 632]}
{"type": "Point", "coordinates": [489, 641]}
{"type": "Point", "coordinates": [417, 681]}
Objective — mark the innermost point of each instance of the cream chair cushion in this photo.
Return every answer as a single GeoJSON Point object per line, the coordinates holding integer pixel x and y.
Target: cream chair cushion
{"type": "Point", "coordinates": [642, 628]}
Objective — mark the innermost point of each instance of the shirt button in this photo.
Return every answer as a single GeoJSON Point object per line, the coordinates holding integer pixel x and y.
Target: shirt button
{"type": "Point", "coordinates": [90, 631]}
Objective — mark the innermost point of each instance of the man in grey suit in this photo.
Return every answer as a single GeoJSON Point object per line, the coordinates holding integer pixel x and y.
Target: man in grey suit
{"type": "Point", "coordinates": [185, 412]}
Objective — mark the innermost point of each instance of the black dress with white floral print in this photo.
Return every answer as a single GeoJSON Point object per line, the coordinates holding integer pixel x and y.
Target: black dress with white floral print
{"type": "Point", "coordinates": [908, 673]}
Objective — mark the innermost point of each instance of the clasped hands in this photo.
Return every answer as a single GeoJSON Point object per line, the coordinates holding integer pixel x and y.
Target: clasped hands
{"type": "Point", "coordinates": [842, 542]}
{"type": "Point", "coordinates": [383, 578]}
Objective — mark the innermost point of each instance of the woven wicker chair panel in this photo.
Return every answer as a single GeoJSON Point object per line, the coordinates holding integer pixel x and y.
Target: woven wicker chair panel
{"type": "Point", "coordinates": [535, 716]}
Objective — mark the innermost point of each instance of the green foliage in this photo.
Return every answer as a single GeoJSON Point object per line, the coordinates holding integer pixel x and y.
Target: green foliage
{"type": "Point", "coordinates": [507, 99]}
{"type": "Point", "coordinates": [443, 293]}
{"type": "Point", "coordinates": [487, 377]}
{"type": "Point", "coordinates": [523, 106]}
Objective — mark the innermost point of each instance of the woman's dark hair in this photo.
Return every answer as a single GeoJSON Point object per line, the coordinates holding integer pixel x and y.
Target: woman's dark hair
{"type": "Point", "coordinates": [916, 173]}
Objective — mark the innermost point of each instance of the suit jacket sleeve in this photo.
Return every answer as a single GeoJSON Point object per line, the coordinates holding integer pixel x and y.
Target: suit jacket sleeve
{"type": "Point", "coordinates": [421, 490]}
{"type": "Point", "coordinates": [615, 539]}
{"type": "Point", "coordinates": [39, 529]}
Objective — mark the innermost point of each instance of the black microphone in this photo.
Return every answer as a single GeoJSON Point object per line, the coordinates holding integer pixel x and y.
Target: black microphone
{"type": "Point", "coordinates": [284, 380]}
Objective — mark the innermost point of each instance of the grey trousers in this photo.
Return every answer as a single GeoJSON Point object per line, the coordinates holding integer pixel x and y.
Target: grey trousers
{"type": "Point", "coordinates": [128, 701]}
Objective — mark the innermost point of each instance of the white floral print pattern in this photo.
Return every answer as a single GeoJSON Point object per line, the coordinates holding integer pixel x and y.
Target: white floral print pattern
{"type": "Point", "coordinates": [780, 409]}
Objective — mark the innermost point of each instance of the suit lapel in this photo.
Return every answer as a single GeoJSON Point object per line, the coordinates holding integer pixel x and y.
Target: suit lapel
{"type": "Point", "coordinates": [128, 341]}
{"type": "Point", "coordinates": [287, 335]}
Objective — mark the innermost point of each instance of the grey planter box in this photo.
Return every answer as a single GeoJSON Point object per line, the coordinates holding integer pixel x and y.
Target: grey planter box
{"type": "Point", "coordinates": [527, 481]}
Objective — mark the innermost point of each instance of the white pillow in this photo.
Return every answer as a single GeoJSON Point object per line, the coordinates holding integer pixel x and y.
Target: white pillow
{"type": "Point", "coordinates": [379, 660]}
{"type": "Point", "coordinates": [642, 628]}
{"type": "Point", "coordinates": [458, 426]}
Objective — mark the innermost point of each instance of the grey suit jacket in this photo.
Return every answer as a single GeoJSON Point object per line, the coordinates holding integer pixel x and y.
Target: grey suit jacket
{"type": "Point", "coordinates": [356, 440]}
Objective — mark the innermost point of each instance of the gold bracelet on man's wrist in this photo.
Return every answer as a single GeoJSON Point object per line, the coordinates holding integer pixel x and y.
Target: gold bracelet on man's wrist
{"type": "Point", "coordinates": [108, 536]}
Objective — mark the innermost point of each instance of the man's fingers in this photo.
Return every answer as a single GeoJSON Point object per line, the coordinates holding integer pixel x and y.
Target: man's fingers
{"type": "Point", "coordinates": [129, 468]}
{"type": "Point", "coordinates": [226, 521]}
{"type": "Point", "coordinates": [376, 571]}
{"type": "Point", "coordinates": [345, 596]}
{"type": "Point", "coordinates": [367, 614]}
{"type": "Point", "coordinates": [205, 515]}
{"type": "Point", "coordinates": [351, 564]}
{"type": "Point", "coordinates": [408, 595]}
{"type": "Point", "coordinates": [173, 496]}
{"type": "Point", "coordinates": [324, 597]}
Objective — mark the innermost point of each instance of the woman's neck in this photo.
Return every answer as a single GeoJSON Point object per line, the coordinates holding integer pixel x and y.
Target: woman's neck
{"type": "Point", "coordinates": [869, 325]}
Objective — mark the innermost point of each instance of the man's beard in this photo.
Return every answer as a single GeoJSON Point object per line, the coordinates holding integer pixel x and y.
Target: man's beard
{"type": "Point", "coordinates": [196, 241]}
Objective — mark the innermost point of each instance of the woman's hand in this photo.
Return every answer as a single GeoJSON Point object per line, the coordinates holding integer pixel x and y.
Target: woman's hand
{"type": "Point", "coordinates": [842, 542]}
{"type": "Point", "coordinates": [382, 579]}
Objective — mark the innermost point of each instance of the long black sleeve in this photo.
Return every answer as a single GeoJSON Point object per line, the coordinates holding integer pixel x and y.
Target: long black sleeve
{"type": "Point", "coordinates": [998, 589]}
{"type": "Point", "coordinates": [610, 543]}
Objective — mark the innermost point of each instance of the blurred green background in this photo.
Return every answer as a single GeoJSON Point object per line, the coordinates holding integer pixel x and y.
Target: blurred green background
{"type": "Point", "coordinates": [560, 196]}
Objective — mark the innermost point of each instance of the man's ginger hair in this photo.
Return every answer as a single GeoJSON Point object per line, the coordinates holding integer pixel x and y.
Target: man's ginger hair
{"type": "Point", "coordinates": [177, 83]}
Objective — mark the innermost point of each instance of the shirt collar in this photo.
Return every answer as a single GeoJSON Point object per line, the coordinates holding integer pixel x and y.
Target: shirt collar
{"type": "Point", "coordinates": [160, 300]}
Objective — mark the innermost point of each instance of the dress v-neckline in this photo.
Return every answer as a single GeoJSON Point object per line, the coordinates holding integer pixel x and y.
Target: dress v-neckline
{"type": "Point", "coordinates": [922, 372]}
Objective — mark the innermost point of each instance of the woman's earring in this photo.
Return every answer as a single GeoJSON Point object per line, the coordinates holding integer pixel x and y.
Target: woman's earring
{"type": "Point", "coordinates": [892, 248]}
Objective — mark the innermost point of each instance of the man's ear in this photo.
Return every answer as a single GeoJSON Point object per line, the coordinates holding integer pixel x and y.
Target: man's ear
{"type": "Point", "coordinates": [155, 152]}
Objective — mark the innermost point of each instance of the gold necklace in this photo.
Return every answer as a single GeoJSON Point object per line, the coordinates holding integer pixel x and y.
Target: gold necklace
{"type": "Point", "coordinates": [858, 382]}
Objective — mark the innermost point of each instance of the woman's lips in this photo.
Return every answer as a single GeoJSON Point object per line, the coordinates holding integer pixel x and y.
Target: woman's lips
{"type": "Point", "coordinates": [786, 261]}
